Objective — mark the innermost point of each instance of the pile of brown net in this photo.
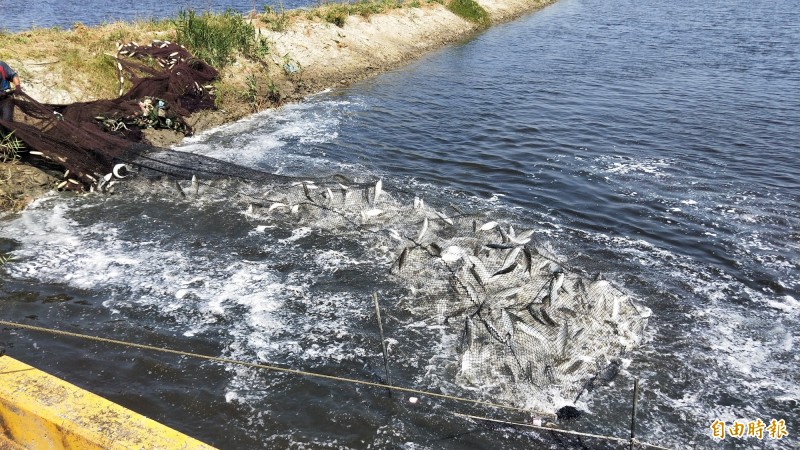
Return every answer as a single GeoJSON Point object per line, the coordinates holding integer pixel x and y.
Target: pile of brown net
{"type": "Point", "coordinates": [86, 140]}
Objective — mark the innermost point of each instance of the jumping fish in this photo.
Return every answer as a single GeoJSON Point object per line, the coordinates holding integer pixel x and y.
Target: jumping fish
{"type": "Point", "coordinates": [528, 259]}
{"type": "Point", "coordinates": [522, 238]}
{"type": "Point", "coordinates": [468, 339]}
{"type": "Point", "coordinates": [511, 258]}
{"type": "Point", "coordinates": [506, 325]}
{"type": "Point", "coordinates": [402, 259]}
{"type": "Point", "coordinates": [535, 316]}
{"type": "Point", "coordinates": [494, 246]}
{"type": "Point", "coordinates": [329, 194]}
{"type": "Point", "coordinates": [374, 212]}
{"type": "Point", "coordinates": [423, 230]}
{"type": "Point", "coordinates": [530, 331]}
{"type": "Point", "coordinates": [479, 270]}
{"type": "Point", "coordinates": [195, 185]}
{"type": "Point", "coordinates": [446, 219]}
{"type": "Point", "coordinates": [615, 309]}
{"type": "Point", "coordinates": [556, 282]}
{"type": "Point", "coordinates": [277, 205]}
{"type": "Point", "coordinates": [395, 235]}
{"type": "Point", "coordinates": [563, 339]}
{"type": "Point", "coordinates": [505, 270]}
{"type": "Point", "coordinates": [547, 317]}
{"type": "Point", "coordinates": [180, 190]}
{"type": "Point", "coordinates": [378, 190]}
{"type": "Point", "coordinates": [488, 226]}
{"type": "Point", "coordinates": [452, 253]}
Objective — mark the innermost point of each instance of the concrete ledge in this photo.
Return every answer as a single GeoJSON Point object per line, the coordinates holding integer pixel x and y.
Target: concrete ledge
{"type": "Point", "coordinates": [38, 410]}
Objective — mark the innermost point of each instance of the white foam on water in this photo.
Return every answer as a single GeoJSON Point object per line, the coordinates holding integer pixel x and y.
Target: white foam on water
{"type": "Point", "coordinates": [787, 304]}
{"type": "Point", "coordinates": [262, 137]}
{"type": "Point", "coordinates": [625, 166]}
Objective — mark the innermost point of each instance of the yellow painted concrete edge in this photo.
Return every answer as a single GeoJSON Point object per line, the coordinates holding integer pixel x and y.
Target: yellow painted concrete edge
{"type": "Point", "coordinates": [38, 410]}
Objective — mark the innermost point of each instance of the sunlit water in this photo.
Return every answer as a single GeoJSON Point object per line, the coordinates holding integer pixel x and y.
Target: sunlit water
{"type": "Point", "coordinates": [20, 15]}
{"type": "Point", "coordinates": [656, 142]}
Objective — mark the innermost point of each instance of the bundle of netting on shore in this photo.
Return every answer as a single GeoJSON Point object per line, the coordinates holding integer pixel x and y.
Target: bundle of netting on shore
{"type": "Point", "coordinates": [86, 140]}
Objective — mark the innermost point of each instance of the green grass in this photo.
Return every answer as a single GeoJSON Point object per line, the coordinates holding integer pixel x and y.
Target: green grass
{"type": "Point", "coordinates": [337, 13]}
{"type": "Point", "coordinates": [216, 38]}
{"type": "Point", "coordinates": [470, 10]}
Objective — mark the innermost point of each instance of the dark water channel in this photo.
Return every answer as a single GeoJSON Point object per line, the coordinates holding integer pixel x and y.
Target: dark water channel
{"type": "Point", "coordinates": [656, 142]}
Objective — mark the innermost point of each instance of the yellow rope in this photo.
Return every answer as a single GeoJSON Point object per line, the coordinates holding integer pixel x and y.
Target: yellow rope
{"type": "Point", "coordinates": [269, 367]}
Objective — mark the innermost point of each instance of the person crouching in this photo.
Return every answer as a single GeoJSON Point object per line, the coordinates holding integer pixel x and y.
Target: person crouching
{"type": "Point", "coordinates": [6, 101]}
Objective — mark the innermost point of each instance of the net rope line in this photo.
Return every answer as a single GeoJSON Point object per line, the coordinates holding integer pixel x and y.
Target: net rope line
{"type": "Point", "coordinates": [334, 378]}
{"type": "Point", "coordinates": [561, 430]}
{"type": "Point", "coordinates": [270, 367]}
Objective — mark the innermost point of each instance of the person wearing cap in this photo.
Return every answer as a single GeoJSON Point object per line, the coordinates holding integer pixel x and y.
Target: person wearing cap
{"type": "Point", "coordinates": [6, 101]}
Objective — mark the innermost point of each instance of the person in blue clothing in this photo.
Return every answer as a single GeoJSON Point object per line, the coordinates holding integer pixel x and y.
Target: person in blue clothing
{"type": "Point", "coordinates": [6, 101]}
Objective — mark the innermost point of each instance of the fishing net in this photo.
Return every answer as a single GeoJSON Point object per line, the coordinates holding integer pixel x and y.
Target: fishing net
{"type": "Point", "coordinates": [524, 322]}
{"type": "Point", "coordinates": [86, 140]}
{"type": "Point", "coordinates": [523, 319]}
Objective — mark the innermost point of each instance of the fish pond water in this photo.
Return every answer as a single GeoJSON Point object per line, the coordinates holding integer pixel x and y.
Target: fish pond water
{"type": "Point", "coordinates": [25, 14]}
{"type": "Point", "coordinates": [653, 142]}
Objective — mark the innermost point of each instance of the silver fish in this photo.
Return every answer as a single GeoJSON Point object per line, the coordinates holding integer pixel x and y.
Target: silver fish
{"type": "Point", "coordinates": [277, 205]}
{"type": "Point", "coordinates": [511, 258]}
{"type": "Point", "coordinates": [423, 230]}
{"type": "Point", "coordinates": [452, 253]}
{"type": "Point", "coordinates": [378, 190]}
{"type": "Point", "coordinates": [402, 259]}
{"type": "Point", "coordinates": [479, 270]}
{"type": "Point", "coordinates": [506, 325]}
{"type": "Point", "coordinates": [488, 226]}
{"type": "Point", "coordinates": [468, 340]}
{"type": "Point", "coordinates": [547, 317]}
{"type": "Point", "coordinates": [530, 331]}
{"type": "Point", "coordinates": [180, 190]}
{"type": "Point", "coordinates": [505, 270]}
{"type": "Point", "coordinates": [446, 219]}
{"type": "Point", "coordinates": [563, 339]}
{"type": "Point", "coordinates": [555, 284]}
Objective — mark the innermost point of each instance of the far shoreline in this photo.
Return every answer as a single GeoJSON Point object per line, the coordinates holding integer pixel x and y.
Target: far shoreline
{"type": "Point", "coordinates": [325, 54]}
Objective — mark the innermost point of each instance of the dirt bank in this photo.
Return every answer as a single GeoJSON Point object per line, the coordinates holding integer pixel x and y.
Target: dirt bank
{"type": "Point", "coordinates": [306, 55]}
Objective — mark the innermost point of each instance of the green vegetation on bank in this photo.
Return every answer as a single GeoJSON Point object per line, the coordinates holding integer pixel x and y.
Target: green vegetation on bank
{"type": "Point", "coordinates": [470, 10]}
{"type": "Point", "coordinates": [219, 38]}
{"type": "Point", "coordinates": [277, 19]}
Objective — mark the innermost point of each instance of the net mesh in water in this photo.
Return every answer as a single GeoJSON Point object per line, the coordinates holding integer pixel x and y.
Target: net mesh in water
{"type": "Point", "coordinates": [524, 321]}
{"type": "Point", "coordinates": [522, 318]}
